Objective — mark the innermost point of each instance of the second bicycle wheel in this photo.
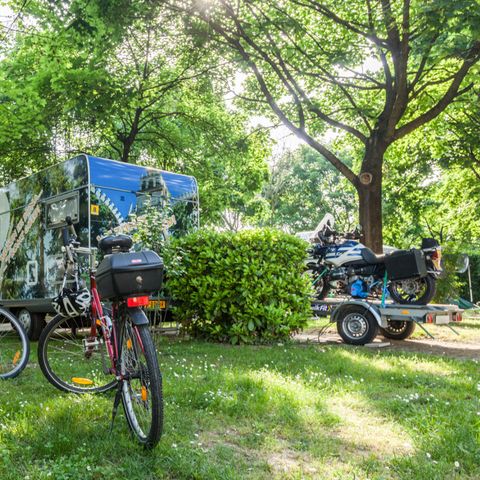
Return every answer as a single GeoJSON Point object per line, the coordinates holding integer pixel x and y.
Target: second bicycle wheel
{"type": "Point", "coordinates": [71, 359]}
{"type": "Point", "coordinates": [14, 346]}
{"type": "Point", "coordinates": [142, 387]}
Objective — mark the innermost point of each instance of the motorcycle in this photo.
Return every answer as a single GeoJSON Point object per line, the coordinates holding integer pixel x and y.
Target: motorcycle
{"type": "Point", "coordinates": [347, 267]}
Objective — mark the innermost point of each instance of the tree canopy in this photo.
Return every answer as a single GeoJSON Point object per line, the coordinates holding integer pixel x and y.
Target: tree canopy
{"type": "Point", "coordinates": [122, 80]}
{"type": "Point", "coordinates": [374, 70]}
{"type": "Point", "coordinates": [384, 94]}
{"type": "Point", "coordinates": [303, 187]}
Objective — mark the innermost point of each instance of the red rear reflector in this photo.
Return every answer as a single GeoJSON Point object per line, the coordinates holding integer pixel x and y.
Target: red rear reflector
{"type": "Point", "coordinates": [137, 301]}
{"type": "Point", "coordinates": [429, 318]}
{"type": "Point", "coordinates": [458, 317]}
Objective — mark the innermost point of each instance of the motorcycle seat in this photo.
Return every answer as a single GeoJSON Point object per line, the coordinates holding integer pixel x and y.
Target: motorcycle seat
{"type": "Point", "coordinates": [371, 257]}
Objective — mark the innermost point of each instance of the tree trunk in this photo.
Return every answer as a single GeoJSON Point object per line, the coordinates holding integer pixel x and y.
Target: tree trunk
{"type": "Point", "coordinates": [369, 191]}
{"type": "Point", "coordinates": [370, 214]}
{"type": "Point", "coordinates": [129, 140]}
{"type": "Point", "coordinates": [127, 146]}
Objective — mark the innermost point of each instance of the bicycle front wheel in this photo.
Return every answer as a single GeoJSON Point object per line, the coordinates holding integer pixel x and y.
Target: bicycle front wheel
{"type": "Point", "coordinates": [71, 359]}
{"type": "Point", "coordinates": [14, 345]}
{"type": "Point", "coordinates": [142, 385]}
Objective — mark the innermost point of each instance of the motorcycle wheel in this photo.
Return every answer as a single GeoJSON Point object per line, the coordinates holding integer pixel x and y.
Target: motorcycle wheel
{"type": "Point", "coordinates": [398, 329]}
{"type": "Point", "coordinates": [415, 291]}
{"type": "Point", "coordinates": [320, 286]}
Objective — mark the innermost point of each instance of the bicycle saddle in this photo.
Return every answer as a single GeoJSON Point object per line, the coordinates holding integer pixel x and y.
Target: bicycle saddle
{"type": "Point", "coordinates": [122, 243]}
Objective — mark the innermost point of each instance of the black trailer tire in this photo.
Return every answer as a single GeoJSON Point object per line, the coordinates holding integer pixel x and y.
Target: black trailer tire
{"type": "Point", "coordinates": [398, 329]}
{"type": "Point", "coordinates": [32, 322]}
{"type": "Point", "coordinates": [356, 325]}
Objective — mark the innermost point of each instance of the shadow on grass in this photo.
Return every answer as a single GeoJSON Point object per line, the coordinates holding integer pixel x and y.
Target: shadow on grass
{"type": "Point", "coordinates": [423, 345]}
{"type": "Point", "coordinates": [468, 323]}
{"type": "Point", "coordinates": [255, 412]}
{"type": "Point", "coordinates": [436, 399]}
{"type": "Point", "coordinates": [441, 421]}
{"type": "Point", "coordinates": [433, 399]}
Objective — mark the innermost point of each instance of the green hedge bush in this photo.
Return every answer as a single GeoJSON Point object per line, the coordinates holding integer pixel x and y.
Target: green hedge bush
{"type": "Point", "coordinates": [244, 287]}
{"type": "Point", "coordinates": [454, 285]}
{"type": "Point", "coordinates": [451, 282]}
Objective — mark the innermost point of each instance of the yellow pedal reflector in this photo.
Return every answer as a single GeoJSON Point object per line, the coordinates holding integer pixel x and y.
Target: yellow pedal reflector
{"type": "Point", "coordinates": [144, 393]}
{"type": "Point", "coordinates": [16, 357]}
{"type": "Point", "coordinates": [98, 322]}
{"type": "Point", "coordinates": [129, 343]}
{"type": "Point", "coordinates": [82, 381]}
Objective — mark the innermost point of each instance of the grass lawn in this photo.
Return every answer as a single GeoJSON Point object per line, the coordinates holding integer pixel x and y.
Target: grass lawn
{"type": "Point", "coordinates": [284, 411]}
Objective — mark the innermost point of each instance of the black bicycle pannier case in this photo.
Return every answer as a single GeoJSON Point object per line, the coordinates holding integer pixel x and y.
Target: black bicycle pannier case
{"type": "Point", "coordinates": [133, 273]}
{"type": "Point", "coordinates": [404, 264]}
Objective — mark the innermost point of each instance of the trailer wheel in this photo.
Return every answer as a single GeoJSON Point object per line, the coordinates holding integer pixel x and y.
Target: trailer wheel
{"type": "Point", "coordinates": [32, 322]}
{"type": "Point", "coordinates": [398, 329]}
{"type": "Point", "coordinates": [356, 325]}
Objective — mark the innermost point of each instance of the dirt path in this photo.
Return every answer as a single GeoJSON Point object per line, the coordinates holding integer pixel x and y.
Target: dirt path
{"type": "Point", "coordinates": [460, 350]}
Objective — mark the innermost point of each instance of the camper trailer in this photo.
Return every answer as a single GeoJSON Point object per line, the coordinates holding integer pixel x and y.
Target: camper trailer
{"type": "Point", "coordinates": [99, 195]}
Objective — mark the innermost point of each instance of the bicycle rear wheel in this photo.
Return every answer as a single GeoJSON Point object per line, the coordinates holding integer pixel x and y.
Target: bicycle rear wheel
{"type": "Point", "coordinates": [142, 396]}
{"type": "Point", "coordinates": [14, 345]}
{"type": "Point", "coordinates": [71, 359]}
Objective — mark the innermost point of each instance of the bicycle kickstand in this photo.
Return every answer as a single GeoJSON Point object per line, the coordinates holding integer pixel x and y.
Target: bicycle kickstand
{"type": "Point", "coordinates": [116, 402]}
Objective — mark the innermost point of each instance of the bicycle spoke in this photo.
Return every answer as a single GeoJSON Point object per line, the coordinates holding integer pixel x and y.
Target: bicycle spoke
{"type": "Point", "coordinates": [70, 364]}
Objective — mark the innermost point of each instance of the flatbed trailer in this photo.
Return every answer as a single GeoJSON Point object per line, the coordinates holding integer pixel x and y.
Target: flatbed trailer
{"type": "Point", "coordinates": [359, 321]}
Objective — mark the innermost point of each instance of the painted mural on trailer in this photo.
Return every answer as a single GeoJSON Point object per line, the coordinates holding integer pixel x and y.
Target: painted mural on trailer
{"type": "Point", "coordinates": [125, 189]}
{"type": "Point", "coordinates": [99, 195]}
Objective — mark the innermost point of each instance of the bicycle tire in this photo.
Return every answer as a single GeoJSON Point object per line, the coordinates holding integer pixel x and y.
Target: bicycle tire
{"type": "Point", "coordinates": [14, 345]}
{"type": "Point", "coordinates": [63, 359]}
{"type": "Point", "coordinates": [142, 396]}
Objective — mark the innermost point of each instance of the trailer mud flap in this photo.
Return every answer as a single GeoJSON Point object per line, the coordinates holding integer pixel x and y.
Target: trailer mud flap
{"type": "Point", "coordinates": [367, 306]}
{"type": "Point", "coordinates": [138, 316]}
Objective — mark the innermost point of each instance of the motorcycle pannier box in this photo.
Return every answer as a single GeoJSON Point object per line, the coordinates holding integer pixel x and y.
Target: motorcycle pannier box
{"type": "Point", "coordinates": [406, 264]}
{"type": "Point", "coordinates": [126, 274]}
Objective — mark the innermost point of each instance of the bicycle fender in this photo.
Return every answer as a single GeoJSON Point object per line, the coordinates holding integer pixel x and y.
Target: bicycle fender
{"type": "Point", "coordinates": [138, 316]}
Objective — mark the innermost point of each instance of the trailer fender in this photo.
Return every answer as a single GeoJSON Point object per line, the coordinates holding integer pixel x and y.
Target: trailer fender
{"type": "Point", "coordinates": [138, 316]}
{"type": "Point", "coordinates": [367, 306]}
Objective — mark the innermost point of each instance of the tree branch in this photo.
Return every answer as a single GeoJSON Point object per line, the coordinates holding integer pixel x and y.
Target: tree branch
{"type": "Point", "coordinates": [322, 9]}
{"type": "Point", "coordinates": [330, 156]}
{"type": "Point", "coordinates": [453, 90]}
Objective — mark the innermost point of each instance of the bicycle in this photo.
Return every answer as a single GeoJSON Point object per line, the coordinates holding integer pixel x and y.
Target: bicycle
{"type": "Point", "coordinates": [14, 345]}
{"type": "Point", "coordinates": [86, 344]}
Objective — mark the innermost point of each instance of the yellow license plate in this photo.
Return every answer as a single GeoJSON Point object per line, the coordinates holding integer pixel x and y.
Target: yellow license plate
{"type": "Point", "coordinates": [160, 304]}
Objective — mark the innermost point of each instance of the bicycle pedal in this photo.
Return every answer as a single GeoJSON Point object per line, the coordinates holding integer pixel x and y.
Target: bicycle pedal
{"type": "Point", "coordinates": [90, 344]}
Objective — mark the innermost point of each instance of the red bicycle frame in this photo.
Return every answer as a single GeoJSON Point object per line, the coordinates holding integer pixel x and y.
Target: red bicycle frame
{"type": "Point", "coordinates": [99, 319]}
